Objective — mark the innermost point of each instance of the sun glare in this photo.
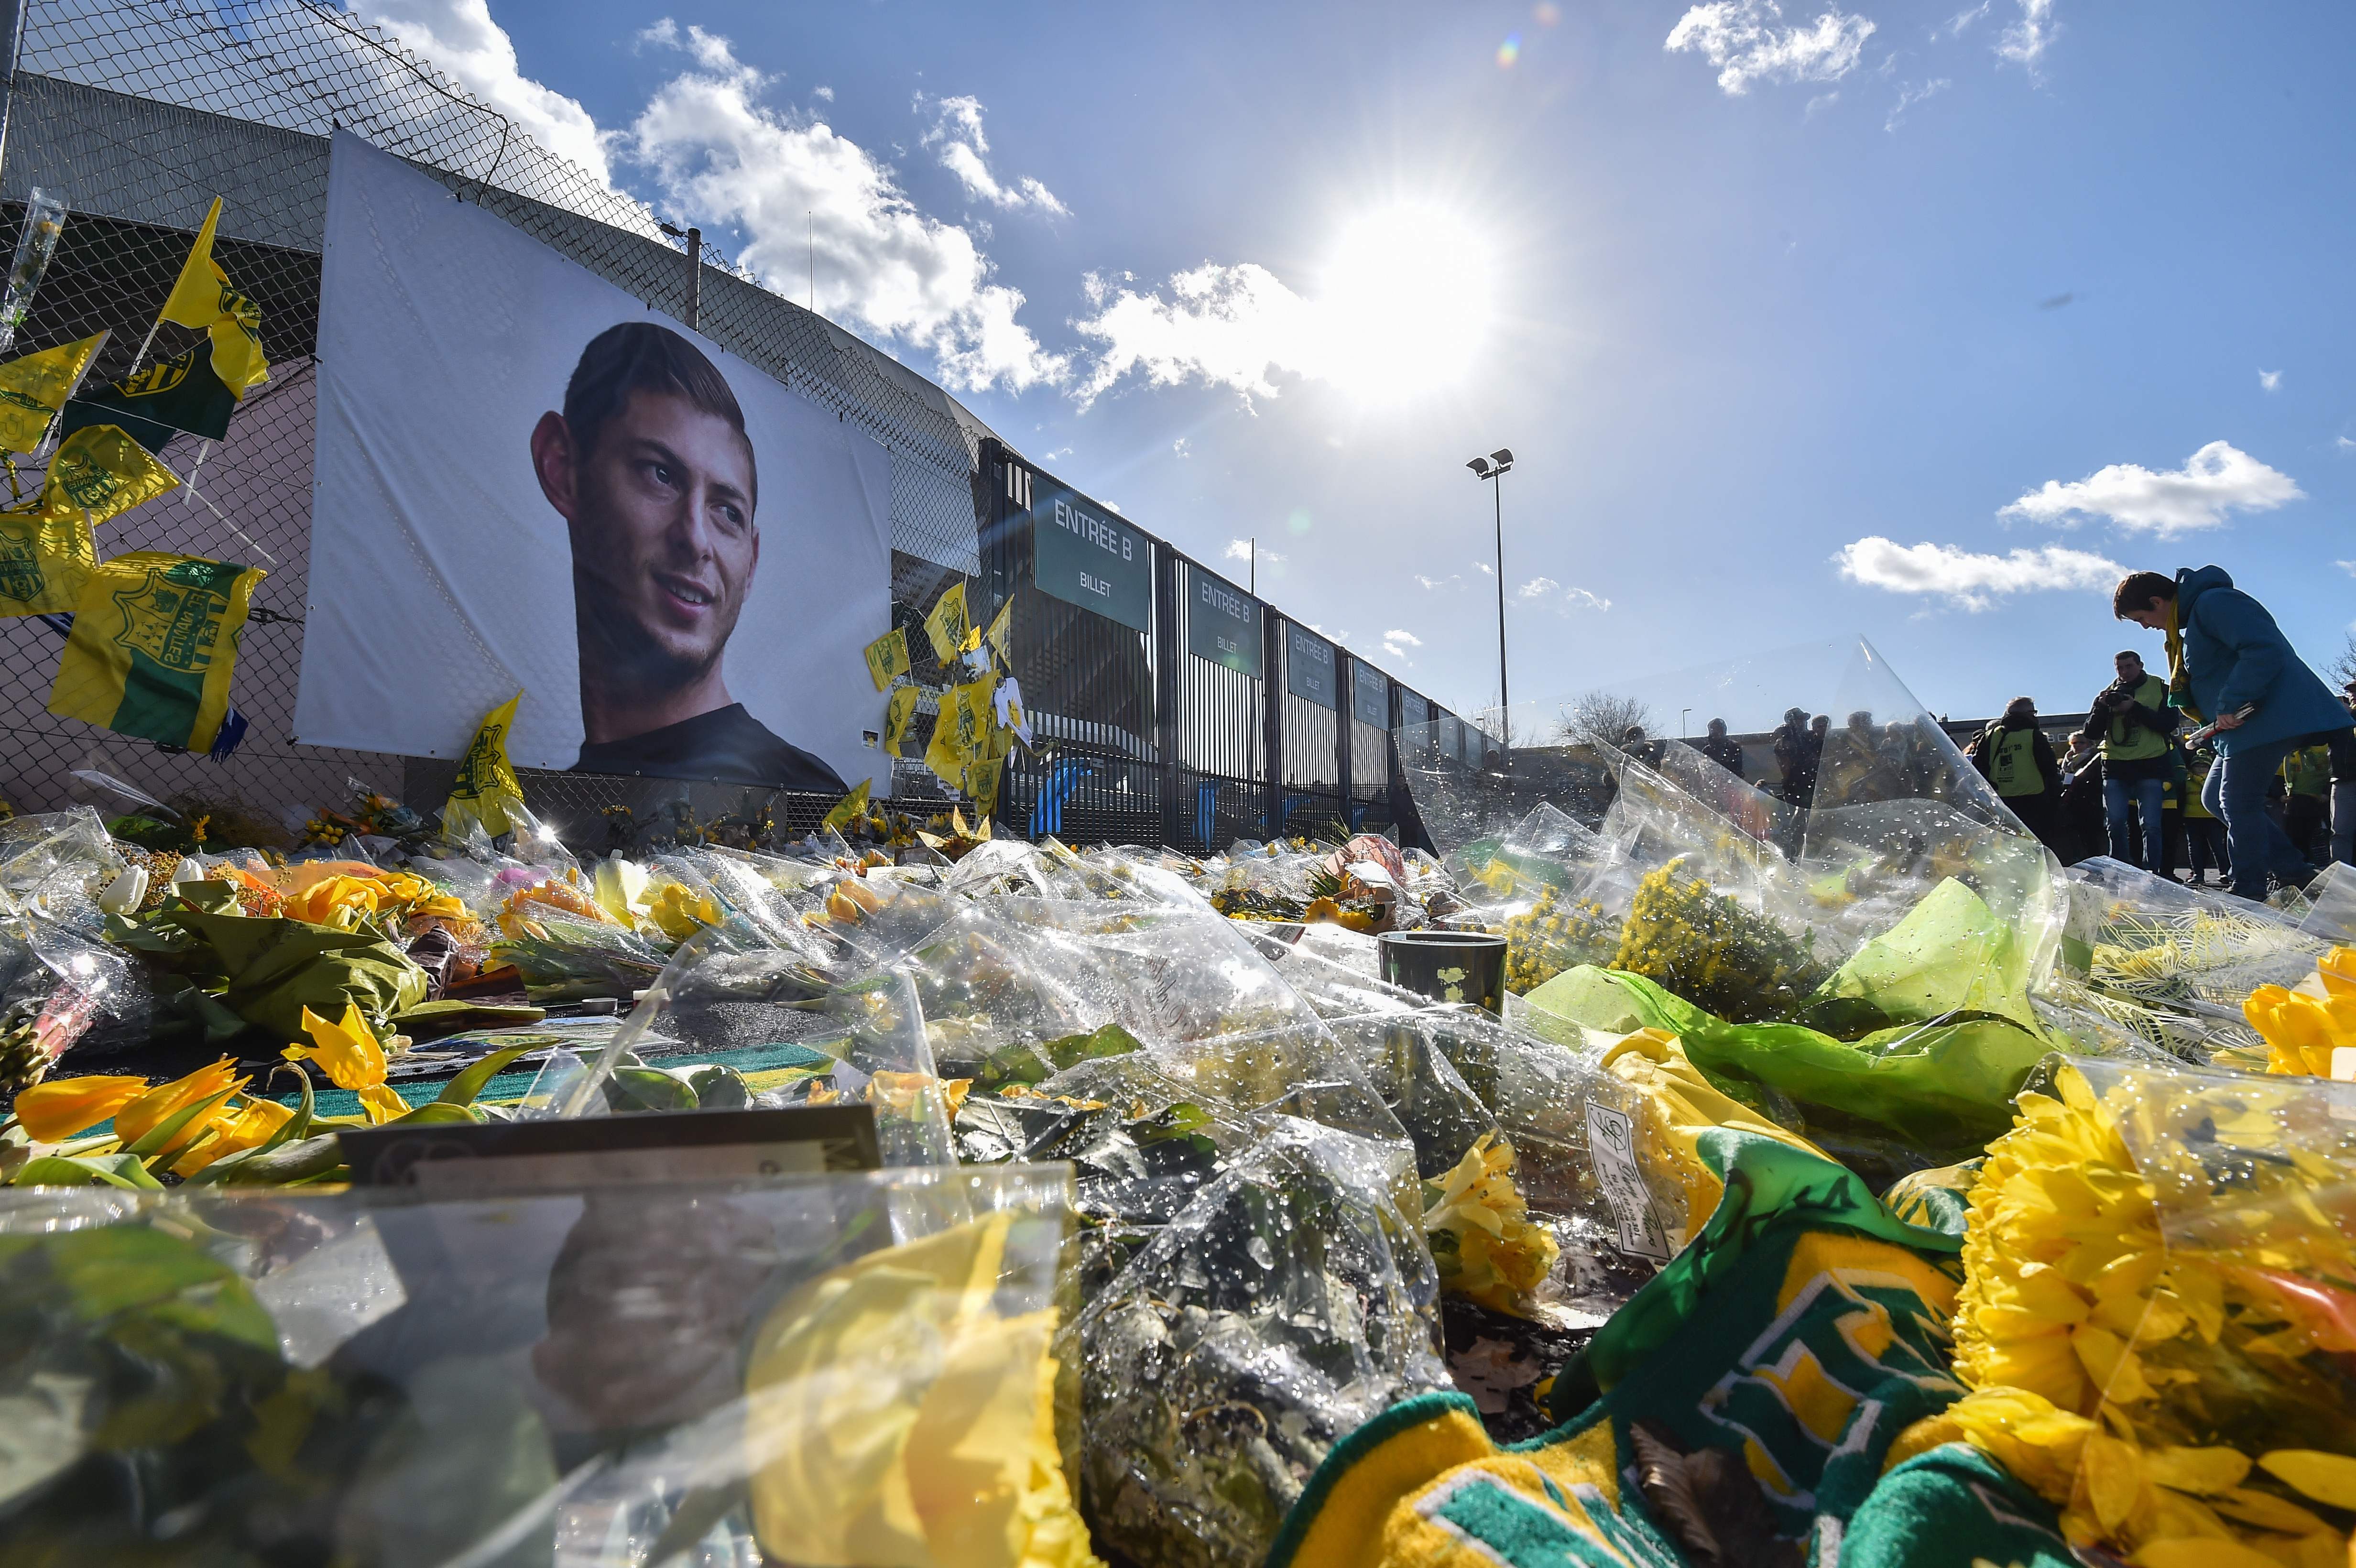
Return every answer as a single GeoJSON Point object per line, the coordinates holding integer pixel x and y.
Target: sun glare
{"type": "Point", "coordinates": [1407, 302]}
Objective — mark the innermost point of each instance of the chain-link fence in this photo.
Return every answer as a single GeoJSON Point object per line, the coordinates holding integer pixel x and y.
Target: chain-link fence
{"type": "Point", "coordinates": [139, 113]}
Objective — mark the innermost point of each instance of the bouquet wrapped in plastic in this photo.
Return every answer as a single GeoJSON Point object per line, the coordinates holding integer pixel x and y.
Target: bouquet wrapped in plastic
{"type": "Point", "coordinates": [2159, 1313]}
{"type": "Point", "coordinates": [845, 1369]}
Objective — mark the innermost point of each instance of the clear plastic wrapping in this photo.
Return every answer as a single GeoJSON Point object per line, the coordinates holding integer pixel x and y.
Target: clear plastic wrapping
{"type": "Point", "coordinates": [840, 1369]}
{"type": "Point", "coordinates": [1288, 1304]}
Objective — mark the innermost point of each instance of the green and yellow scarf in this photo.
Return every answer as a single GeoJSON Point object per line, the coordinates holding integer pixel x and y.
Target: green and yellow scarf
{"type": "Point", "coordinates": [2179, 679]}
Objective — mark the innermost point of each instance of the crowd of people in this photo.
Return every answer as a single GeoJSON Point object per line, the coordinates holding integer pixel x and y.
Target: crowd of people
{"type": "Point", "coordinates": [2237, 768]}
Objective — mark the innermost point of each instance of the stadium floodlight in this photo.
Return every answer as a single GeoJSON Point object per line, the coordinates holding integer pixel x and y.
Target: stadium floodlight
{"type": "Point", "coordinates": [1495, 466]}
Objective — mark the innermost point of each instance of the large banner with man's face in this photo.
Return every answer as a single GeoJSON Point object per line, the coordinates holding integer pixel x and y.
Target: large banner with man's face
{"type": "Point", "coordinates": [526, 480]}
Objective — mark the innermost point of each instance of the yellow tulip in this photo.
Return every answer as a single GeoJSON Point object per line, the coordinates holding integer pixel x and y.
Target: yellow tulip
{"type": "Point", "coordinates": [346, 1051]}
{"type": "Point", "coordinates": [2338, 968]}
{"type": "Point", "coordinates": [248, 1126]}
{"type": "Point", "coordinates": [2302, 1031]}
{"type": "Point", "coordinates": [56, 1111]}
{"type": "Point", "coordinates": [680, 912]}
{"type": "Point", "coordinates": [159, 1104]}
{"type": "Point", "coordinates": [380, 1103]}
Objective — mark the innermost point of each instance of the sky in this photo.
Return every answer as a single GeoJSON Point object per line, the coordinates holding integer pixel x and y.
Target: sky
{"type": "Point", "coordinates": [1918, 322]}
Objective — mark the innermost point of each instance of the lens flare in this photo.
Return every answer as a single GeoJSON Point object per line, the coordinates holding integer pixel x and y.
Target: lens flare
{"type": "Point", "coordinates": [1509, 51]}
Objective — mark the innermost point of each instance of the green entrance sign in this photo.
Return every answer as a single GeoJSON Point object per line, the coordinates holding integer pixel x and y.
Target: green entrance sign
{"type": "Point", "coordinates": [1309, 666]}
{"type": "Point", "coordinates": [1082, 554]}
{"type": "Point", "coordinates": [1222, 623]}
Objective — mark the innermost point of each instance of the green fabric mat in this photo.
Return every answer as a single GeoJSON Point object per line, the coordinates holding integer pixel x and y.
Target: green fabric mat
{"type": "Point", "coordinates": [513, 1084]}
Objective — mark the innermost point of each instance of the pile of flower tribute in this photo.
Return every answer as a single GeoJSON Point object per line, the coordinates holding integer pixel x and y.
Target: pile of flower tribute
{"type": "Point", "coordinates": [1186, 1211]}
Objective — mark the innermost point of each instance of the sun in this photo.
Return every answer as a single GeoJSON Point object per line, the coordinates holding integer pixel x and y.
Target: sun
{"type": "Point", "coordinates": [1408, 301]}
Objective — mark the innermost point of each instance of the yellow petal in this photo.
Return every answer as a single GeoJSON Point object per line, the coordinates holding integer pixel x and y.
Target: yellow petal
{"type": "Point", "coordinates": [247, 1128]}
{"type": "Point", "coordinates": [346, 1051]}
{"type": "Point", "coordinates": [56, 1111]}
{"type": "Point", "coordinates": [159, 1104]}
{"type": "Point", "coordinates": [2327, 1477]}
{"type": "Point", "coordinates": [381, 1104]}
{"type": "Point", "coordinates": [2200, 1470]}
{"type": "Point", "coordinates": [2114, 1477]}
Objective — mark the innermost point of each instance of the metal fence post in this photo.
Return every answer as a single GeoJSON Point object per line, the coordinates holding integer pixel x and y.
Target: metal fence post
{"type": "Point", "coordinates": [1271, 702]}
{"type": "Point", "coordinates": [1345, 714]}
{"type": "Point", "coordinates": [1167, 671]}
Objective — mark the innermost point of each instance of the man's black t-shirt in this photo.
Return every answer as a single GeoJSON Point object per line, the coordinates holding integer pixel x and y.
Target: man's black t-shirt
{"type": "Point", "coordinates": [727, 744]}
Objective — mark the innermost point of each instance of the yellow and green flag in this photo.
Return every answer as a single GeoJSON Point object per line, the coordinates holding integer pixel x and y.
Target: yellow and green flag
{"type": "Point", "coordinates": [154, 644]}
{"type": "Point", "coordinates": [98, 473]}
{"type": "Point", "coordinates": [487, 784]}
{"type": "Point", "coordinates": [43, 563]}
{"type": "Point", "coordinates": [171, 397]}
{"type": "Point", "coordinates": [982, 778]}
{"type": "Point", "coordinates": [950, 630]}
{"type": "Point", "coordinates": [851, 808]}
{"type": "Point", "coordinates": [898, 715]}
{"type": "Point", "coordinates": [203, 299]}
{"type": "Point", "coordinates": [1001, 635]}
{"type": "Point", "coordinates": [887, 659]}
{"type": "Point", "coordinates": [33, 388]}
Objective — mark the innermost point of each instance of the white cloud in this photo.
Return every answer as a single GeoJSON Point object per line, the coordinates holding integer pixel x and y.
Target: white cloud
{"type": "Point", "coordinates": [1971, 581]}
{"type": "Point", "coordinates": [1742, 40]}
{"type": "Point", "coordinates": [1456, 579]}
{"type": "Point", "coordinates": [957, 131]}
{"type": "Point", "coordinates": [1963, 19]}
{"type": "Point", "coordinates": [2344, 443]}
{"type": "Point", "coordinates": [1398, 643]}
{"type": "Point", "coordinates": [799, 194]}
{"type": "Point", "coordinates": [823, 93]}
{"type": "Point", "coordinates": [2347, 566]}
{"type": "Point", "coordinates": [2270, 380]}
{"type": "Point", "coordinates": [2214, 481]}
{"type": "Point", "coordinates": [1182, 447]}
{"type": "Point", "coordinates": [1909, 96]}
{"type": "Point", "coordinates": [1241, 550]}
{"type": "Point", "coordinates": [1545, 593]}
{"type": "Point", "coordinates": [460, 37]}
{"type": "Point", "coordinates": [1231, 327]}
{"type": "Point", "coordinates": [2025, 42]}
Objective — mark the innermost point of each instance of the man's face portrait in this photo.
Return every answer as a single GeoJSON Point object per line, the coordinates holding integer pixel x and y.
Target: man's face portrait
{"type": "Point", "coordinates": [664, 544]}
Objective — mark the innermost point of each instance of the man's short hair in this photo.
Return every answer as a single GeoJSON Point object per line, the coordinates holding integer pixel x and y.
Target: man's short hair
{"type": "Point", "coordinates": [2137, 589]}
{"type": "Point", "coordinates": [640, 357]}
{"type": "Point", "coordinates": [2128, 652]}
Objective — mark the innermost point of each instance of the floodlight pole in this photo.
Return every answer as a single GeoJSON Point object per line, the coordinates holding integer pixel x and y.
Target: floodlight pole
{"type": "Point", "coordinates": [1490, 470]}
{"type": "Point", "coordinates": [1505, 704]}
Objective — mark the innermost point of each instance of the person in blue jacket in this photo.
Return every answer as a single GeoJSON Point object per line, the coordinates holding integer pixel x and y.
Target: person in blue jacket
{"type": "Point", "coordinates": [2229, 664]}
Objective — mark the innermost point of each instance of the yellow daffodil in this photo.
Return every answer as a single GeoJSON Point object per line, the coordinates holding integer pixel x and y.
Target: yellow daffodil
{"type": "Point", "coordinates": [56, 1110]}
{"type": "Point", "coordinates": [159, 1104]}
{"type": "Point", "coordinates": [248, 1124]}
{"type": "Point", "coordinates": [348, 1052]}
{"type": "Point", "coordinates": [1487, 1247]}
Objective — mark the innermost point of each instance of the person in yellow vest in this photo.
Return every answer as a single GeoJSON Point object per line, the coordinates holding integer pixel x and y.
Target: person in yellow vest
{"type": "Point", "coordinates": [2016, 757]}
{"type": "Point", "coordinates": [2307, 776]}
{"type": "Point", "coordinates": [2204, 832]}
{"type": "Point", "coordinates": [2131, 720]}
